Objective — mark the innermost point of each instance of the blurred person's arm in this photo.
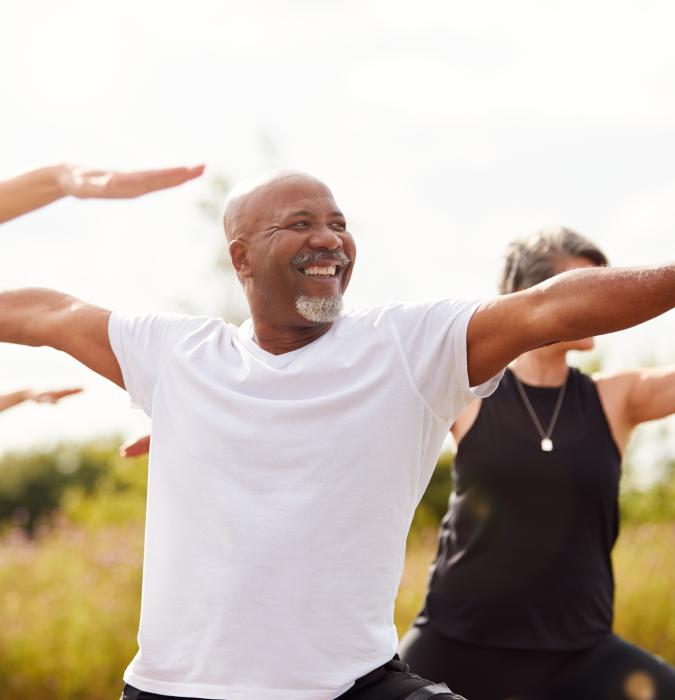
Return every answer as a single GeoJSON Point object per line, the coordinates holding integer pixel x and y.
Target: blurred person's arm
{"type": "Point", "coordinates": [35, 189]}
{"type": "Point", "coordinates": [135, 448]}
{"type": "Point", "coordinates": [573, 305]}
{"type": "Point", "coordinates": [635, 396]}
{"type": "Point", "coordinates": [52, 396]}
{"type": "Point", "coordinates": [14, 399]}
{"type": "Point", "coordinates": [40, 317]}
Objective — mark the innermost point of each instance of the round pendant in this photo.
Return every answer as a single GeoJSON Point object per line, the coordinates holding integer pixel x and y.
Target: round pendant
{"type": "Point", "coordinates": [547, 444]}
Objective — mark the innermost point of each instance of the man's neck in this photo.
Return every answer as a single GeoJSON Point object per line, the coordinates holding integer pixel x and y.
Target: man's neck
{"type": "Point", "coordinates": [277, 339]}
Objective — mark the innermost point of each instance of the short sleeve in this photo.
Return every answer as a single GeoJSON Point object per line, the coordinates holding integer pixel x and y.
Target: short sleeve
{"type": "Point", "coordinates": [432, 338]}
{"type": "Point", "coordinates": [142, 345]}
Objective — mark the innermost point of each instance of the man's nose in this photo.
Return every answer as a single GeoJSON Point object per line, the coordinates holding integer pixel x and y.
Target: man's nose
{"type": "Point", "coordinates": [325, 237]}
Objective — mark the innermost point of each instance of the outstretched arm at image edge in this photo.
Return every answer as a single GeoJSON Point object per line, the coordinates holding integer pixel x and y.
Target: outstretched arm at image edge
{"type": "Point", "coordinates": [641, 395]}
{"type": "Point", "coordinates": [37, 188]}
{"type": "Point", "coordinates": [572, 305]}
{"type": "Point", "coordinates": [44, 317]}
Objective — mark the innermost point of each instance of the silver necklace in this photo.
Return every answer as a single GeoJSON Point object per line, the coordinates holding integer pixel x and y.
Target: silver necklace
{"type": "Point", "coordinates": [546, 442]}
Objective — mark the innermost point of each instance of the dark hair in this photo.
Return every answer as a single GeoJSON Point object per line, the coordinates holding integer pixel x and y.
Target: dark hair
{"type": "Point", "coordinates": [540, 256]}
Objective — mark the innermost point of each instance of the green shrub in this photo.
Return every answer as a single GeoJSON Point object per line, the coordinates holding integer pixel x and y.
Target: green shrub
{"type": "Point", "coordinates": [70, 596]}
{"type": "Point", "coordinates": [434, 503]}
{"type": "Point", "coordinates": [644, 560]}
{"type": "Point", "coordinates": [33, 483]}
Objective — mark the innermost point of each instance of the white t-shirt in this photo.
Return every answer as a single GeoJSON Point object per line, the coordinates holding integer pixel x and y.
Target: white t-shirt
{"type": "Point", "coordinates": [281, 490]}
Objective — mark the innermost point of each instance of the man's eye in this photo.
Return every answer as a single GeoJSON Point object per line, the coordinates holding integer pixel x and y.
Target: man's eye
{"type": "Point", "coordinates": [340, 226]}
{"type": "Point", "coordinates": [299, 224]}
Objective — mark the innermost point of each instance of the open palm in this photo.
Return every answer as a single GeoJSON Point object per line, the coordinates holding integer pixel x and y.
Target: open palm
{"type": "Point", "coordinates": [108, 184]}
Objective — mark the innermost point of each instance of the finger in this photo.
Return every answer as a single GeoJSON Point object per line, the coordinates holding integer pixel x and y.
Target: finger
{"type": "Point", "coordinates": [136, 184]}
{"type": "Point", "coordinates": [70, 391]}
{"type": "Point", "coordinates": [135, 448]}
{"type": "Point", "coordinates": [58, 394]}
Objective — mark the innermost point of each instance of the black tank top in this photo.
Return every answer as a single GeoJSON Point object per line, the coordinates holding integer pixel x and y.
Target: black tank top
{"type": "Point", "coordinates": [524, 557]}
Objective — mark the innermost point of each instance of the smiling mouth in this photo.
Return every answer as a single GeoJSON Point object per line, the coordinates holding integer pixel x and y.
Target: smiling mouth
{"type": "Point", "coordinates": [321, 264]}
{"type": "Point", "coordinates": [320, 270]}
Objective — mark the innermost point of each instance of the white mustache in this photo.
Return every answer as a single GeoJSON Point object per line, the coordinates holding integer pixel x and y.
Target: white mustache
{"type": "Point", "coordinates": [306, 259]}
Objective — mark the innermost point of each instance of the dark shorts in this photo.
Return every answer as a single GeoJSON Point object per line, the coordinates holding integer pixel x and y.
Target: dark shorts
{"type": "Point", "coordinates": [393, 681]}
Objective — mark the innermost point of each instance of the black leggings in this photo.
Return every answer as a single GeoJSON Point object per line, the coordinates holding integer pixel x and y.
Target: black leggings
{"type": "Point", "coordinates": [612, 669]}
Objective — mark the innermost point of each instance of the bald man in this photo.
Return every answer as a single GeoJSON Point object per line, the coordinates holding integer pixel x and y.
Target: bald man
{"type": "Point", "coordinates": [289, 453]}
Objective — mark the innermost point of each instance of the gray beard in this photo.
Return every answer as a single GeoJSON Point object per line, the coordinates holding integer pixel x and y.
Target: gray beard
{"type": "Point", "coordinates": [319, 309]}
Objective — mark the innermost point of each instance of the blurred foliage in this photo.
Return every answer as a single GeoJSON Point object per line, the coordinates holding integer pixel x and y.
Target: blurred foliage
{"type": "Point", "coordinates": [32, 484]}
{"type": "Point", "coordinates": [434, 503]}
{"type": "Point", "coordinates": [644, 560]}
{"type": "Point", "coordinates": [211, 206]}
{"type": "Point", "coordinates": [70, 596]}
{"type": "Point", "coordinates": [70, 592]}
{"type": "Point", "coordinates": [654, 505]}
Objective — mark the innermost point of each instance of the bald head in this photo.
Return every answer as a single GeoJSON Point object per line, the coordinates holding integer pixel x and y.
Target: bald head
{"type": "Point", "coordinates": [249, 204]}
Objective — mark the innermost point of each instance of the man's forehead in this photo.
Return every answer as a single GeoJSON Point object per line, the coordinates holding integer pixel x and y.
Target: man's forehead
{"type": "Point", "coordinates": [307, 206]}
{"type": "Point", "coordinates": [278, 200]}
{"type": "Point", "coordinates": [285, 196]}
{"type": "Point", "coordinates": [259, 204]}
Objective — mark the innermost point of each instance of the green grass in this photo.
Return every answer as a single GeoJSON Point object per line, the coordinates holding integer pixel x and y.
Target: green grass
{"type": "Point", "coordinates": [645, 589]}
{"type": "Point", "coordinates": [70, 595]}
{"type": "Point", "coordinates": [69, 607]}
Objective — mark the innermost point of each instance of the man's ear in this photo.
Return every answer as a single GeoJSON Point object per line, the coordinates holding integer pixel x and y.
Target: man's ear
{"type": "Point", "coordinates": [239, 256]}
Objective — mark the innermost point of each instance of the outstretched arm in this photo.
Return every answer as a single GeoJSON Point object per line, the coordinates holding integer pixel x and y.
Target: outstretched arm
{"type": "Point", "coordinates": [44, 317]}
{"type": "Point", "coordinates": [573, 305]}
{"type": "Point", "coordinates": [650, 393]}
{"type": "Point", "coordinates": [37, 188]}
{"type": "Point", "coordinates": [14, 399]}
{"type": "Point", "coordinates": [52, 396]}
{"type": "Point", "coordinates": [631, 397]}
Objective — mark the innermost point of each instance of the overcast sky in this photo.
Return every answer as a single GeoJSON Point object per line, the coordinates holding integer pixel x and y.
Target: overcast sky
{"type": "Point", "coordinates": [444, 128]}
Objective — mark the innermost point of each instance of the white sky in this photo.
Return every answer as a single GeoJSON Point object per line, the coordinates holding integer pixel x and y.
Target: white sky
{"type": "Point", "coordinates": [444, 128]}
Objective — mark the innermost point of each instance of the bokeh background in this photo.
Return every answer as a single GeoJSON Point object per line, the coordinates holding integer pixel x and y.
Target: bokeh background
{"type": "Point", "coordinates": [444, 128]}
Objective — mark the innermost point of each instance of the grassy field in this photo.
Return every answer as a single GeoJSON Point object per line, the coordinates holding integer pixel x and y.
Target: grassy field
{"type": "Point", "coordinates": [70, 587]}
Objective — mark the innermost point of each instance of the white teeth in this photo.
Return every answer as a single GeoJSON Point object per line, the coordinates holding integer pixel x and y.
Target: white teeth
{"type": "Point", "coordinates": [320, 270]}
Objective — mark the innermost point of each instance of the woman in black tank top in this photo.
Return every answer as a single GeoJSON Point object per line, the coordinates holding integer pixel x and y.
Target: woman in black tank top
{"type": "Point", "coordinates": [520, 598]}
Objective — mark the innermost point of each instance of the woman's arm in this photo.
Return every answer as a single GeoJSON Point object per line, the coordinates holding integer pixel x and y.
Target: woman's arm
{"type": "Point", "coordinates": [465, 420]}
{"type": "Point", "coordinates": [37, 188]}
{"type": "Point", "coordinates": [14, 399]}
{"type": "Point", "coordinates": [635, 396]}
